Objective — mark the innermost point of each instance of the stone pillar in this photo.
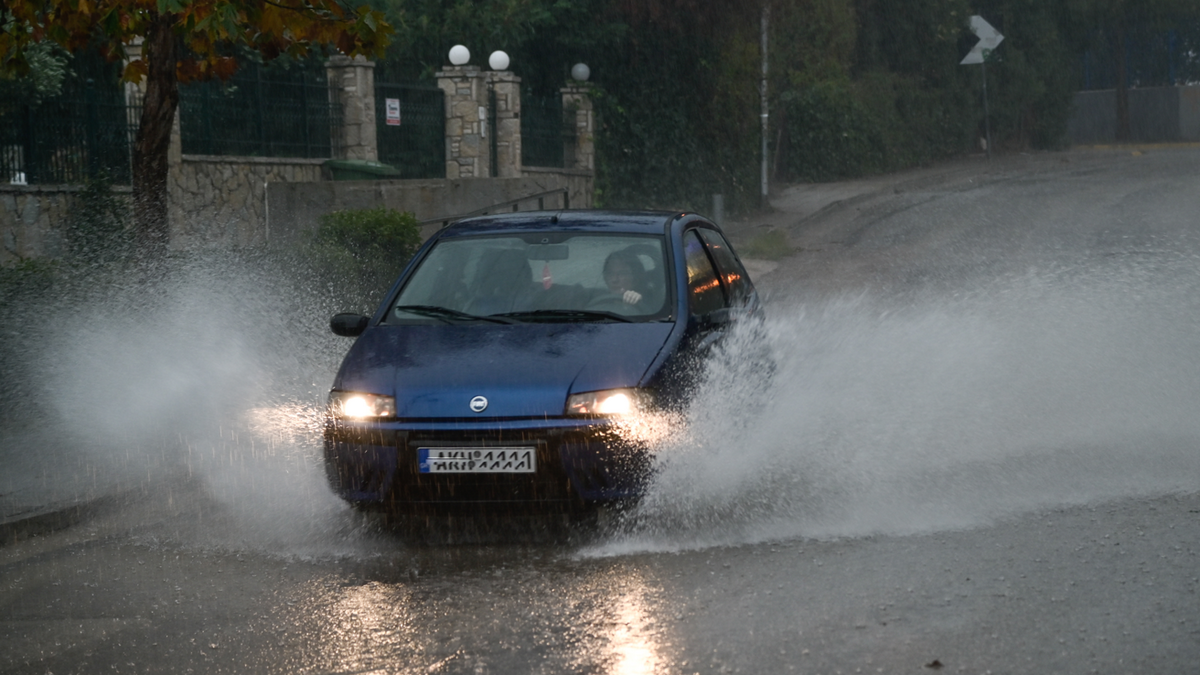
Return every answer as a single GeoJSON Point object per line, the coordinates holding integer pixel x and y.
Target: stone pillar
{"type": "Point", "coordinates": [468, 150]}
{"type": "Point", "coordinates": [352, 88]}
{"type": "Point", "coordinates": [507, 88]}
{"type": "Point", "coordinates": [581, 154]}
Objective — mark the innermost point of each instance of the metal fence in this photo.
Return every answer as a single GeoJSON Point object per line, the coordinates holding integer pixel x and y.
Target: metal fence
{"type": "Point", "coordinates": [1153, 58]}
{"type": "Point", "coordinates": [260, 112]}
{"type": "Point", "coordinates": [410, 122]}
{"type": "Point", "coordinates": [546, 130]}
{"type": "Point", "coordinates": [67, 139]}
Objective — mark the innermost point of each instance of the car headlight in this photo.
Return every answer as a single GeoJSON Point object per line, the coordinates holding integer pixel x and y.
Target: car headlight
{"type": "Point", "coordinates": [609, 402]}
{"type": "Point", "coordinates": [356, 405]}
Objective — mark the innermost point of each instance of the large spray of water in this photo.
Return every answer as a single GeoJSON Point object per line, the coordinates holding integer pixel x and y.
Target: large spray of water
{"type": "Point", "coordinates": [947, 411]}
{"type": "Point", "coordinates": [880, 415]}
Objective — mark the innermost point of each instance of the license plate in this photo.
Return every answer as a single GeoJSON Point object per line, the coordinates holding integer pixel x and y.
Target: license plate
{"type": "Point", "coordinates": [477, 460]}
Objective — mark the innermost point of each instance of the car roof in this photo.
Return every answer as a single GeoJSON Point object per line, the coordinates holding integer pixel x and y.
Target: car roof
{"type": "Point", "coordinates": [625, 222]}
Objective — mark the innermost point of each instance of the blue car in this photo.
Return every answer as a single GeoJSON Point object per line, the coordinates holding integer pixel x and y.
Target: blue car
{"type": "Point", "coordinates": [507, 362]}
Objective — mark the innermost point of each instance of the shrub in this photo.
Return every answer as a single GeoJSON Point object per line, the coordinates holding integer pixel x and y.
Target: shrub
{"type": "Point", "coordinates": [357, 254]}
{"type": "Point", "coordinates": [832, 133]}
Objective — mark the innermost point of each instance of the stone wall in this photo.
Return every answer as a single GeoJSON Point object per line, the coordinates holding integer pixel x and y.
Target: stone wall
{"type": "Point", "coordinates": [221, 202]}
{"type": "Point", "coordinates": [294, 208]}
{"type": "Point", "coordinates": [32, 221]}
{"type": "Point", "coordinates": [226, 202]}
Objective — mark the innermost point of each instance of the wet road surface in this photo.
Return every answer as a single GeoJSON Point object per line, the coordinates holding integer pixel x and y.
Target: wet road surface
{"type": "Point", "coordinates": [1105, 588]}
{"type": "Point", "coordinates": [979, 454]}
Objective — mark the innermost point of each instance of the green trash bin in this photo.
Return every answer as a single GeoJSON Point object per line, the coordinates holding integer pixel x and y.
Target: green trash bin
{"type": "Point", "coordinates": [360, 169]}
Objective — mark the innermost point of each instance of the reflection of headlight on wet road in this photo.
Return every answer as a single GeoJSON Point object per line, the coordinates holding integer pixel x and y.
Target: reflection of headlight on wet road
{"type": "Point", "coordinates": [359, 405]}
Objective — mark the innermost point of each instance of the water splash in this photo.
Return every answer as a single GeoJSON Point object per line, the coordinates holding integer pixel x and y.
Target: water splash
{"type": "Point", "coordinates": [886, 412]}
{"type": "Point", "coordinates": [1053, 388]}
{"type": "Point", "coordinates": [214, 374]}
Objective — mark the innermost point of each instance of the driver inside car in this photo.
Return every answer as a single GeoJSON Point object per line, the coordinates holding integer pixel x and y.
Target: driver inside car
{"type": "Point", "coordinates": [623, 274]}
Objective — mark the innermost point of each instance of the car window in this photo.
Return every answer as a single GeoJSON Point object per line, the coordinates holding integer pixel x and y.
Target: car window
{"type": "Point", "coordinates": [539, 273]}
{"type": "Point", "coordinates": [704, 289]}
{"type": "Point", "coordinates": [737, 281]}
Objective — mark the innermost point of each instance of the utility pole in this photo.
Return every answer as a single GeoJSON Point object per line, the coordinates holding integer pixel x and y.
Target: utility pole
{"type": "Point", "coordinates": [762, 91]}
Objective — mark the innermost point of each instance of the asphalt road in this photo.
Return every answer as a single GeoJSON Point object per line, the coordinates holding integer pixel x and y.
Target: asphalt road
{"type": "Point", "coordinates": [979, 453]}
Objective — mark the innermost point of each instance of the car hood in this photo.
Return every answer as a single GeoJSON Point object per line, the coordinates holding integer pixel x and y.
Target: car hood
{"type": "Point", "coordinates": [524, 370]}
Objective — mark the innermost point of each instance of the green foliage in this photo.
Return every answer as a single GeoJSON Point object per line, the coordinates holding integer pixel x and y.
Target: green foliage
{"type": "Point", "coordinates": [833, 134]}
{"type": "Point", "coordinates": [677, 118]}
{"type": "Point", "coordinates": [47, 69]}
{"type": "Point", "coordinates": [882, 122]}
{"type": "Point", "coordinates": [97, 231]}
{"type": "Point", "coordinates": [1031, 76]}
{"type": "Point", "coordinates": [770, 245]}
{"type": "Point", "coordinates": [542, 37]}
{"type": "Point", "coordinates": [357, 254]}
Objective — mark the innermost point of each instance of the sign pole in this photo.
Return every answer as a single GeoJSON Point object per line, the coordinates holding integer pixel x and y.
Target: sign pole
{"type": "Point", "coordinates": [989, 38]}
{"type": "Point", "coordinates": [987, 118]}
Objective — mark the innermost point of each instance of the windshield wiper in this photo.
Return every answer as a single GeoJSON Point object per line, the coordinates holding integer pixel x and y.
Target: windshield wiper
{"type": "Point", "coordinates": [565, 315]}
{"type": "Point", "coordinates": [446, 314]}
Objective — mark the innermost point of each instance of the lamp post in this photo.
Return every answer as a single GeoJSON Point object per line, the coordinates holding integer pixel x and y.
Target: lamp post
{"type": "Point", "coordinates": [498, 60]}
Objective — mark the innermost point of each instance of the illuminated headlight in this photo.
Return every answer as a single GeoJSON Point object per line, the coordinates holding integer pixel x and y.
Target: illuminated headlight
{"type": "Point", "coordinates": [358, 406]}
{"type": "Point", "coordinates": [610, 402]}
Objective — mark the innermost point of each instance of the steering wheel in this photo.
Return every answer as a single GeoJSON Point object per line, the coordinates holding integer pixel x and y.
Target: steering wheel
{"type": "Point", "coordinates": [607, 302]}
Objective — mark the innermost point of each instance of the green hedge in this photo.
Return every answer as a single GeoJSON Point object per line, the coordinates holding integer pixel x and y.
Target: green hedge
{"type": "Point", "coordinates": [881, 122]}
{"type": "Point", "coordinates": [356, 254]}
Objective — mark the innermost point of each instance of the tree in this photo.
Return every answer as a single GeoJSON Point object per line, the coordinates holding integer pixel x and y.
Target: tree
{"type": "Point", "coordinates": [166, 42]}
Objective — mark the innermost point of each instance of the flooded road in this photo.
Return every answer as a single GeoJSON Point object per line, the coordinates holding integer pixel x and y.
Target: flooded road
{"type": "Point", "coordinates": [978, 452]}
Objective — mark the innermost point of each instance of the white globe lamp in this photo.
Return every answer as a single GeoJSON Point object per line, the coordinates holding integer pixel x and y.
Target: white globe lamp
{"type": "Point", "coordinates": [459, 55]}
{"type": "Point", "coordinates": [580, 72]}
{"type": "Point", "coordinates": [498, 60]}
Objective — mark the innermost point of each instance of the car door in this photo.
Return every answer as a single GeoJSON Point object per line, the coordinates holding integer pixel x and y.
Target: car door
{"type": "Point", "coordinates": [738, 287]}
{"type": "Point", "coordinates": [707, 295]}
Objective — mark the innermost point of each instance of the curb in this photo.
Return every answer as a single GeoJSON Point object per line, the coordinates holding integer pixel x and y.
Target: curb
{"type": "Point", "coordinates": [61, 516]}
{"type": "Point", "coordinates": [55, 517]}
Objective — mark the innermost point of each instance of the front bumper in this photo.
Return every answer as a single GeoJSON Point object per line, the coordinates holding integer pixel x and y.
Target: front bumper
{"type": "Point", "coordinates": [579, 462]}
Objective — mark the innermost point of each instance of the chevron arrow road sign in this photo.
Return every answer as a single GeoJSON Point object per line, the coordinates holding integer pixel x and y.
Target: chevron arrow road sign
{"type": "Point", "coordinates": [989, 38]}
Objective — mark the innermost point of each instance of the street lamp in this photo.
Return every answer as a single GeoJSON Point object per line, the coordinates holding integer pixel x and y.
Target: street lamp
{"type": "Point", "coordinates": [459, 55]}
{"type": "Point", "coordinates": [498, 60]}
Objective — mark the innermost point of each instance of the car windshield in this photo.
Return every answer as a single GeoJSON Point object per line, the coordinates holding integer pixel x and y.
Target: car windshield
{"type": "Point", "coordinates": [539, 277]}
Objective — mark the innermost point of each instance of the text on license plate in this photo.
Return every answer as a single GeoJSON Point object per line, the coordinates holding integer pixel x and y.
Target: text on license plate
{"type": "Point", "coordinates": [477, 460]}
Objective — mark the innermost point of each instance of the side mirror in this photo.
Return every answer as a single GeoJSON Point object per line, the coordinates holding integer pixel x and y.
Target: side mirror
{"type": "Point", "coordinates": [715, 319]}
{"type": "Point", "coordinates": [348, 324]}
